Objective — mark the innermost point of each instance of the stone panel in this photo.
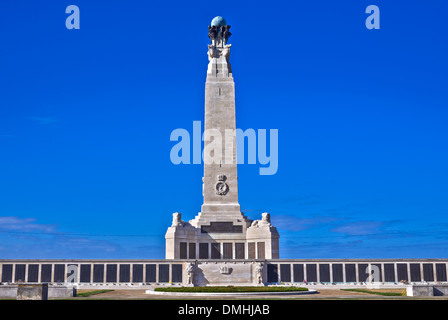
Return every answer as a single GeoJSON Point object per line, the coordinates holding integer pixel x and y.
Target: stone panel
{"type": "Point", "coordinates": [45, 273]}
{"type": "Point", "coordinates": [285, 272]}
{"type": "Point", "coordinates": [221, 227]}
{"type": "Point", "coordinates": [125, 273]}
{"type": "Point", "coordinates": [350, 272]}
{"type": "Point", "coordinates": [85, 273]}
{"type": "Point", "coordinates": [311, 273]}
{"type": "Point", "coordinates": [415, 272]}
{"type": "Point", "coordinates": [137, 273]}
{"type": "Point", "coordinates": [33, 273]}
{"type": "Point", "coordinates": [363, 272]}
{"type": "Point", "coordinates": [251, 250]}
{"type": "Point", "coordinates": [260, 250]}
{"type": "Point", "coordinates": [59, 273]}
{"type": "Point", "coordinates": [215, 250]}
{"type": "Point", "coordinates": [337, 272]}
{"type": "Point", "coordinates": [402, 272]}
{"type": "Point", "coordinates": [20, 273]}
{"type": "Point", "coordinates": [227, 250]}
{"type": "Point", "coordinates": [239, 250]}
{"type": "Point", "coordinates": [378, 277]}
{"type": "Point", "coordinates": [389, 272]}
{"type": "Point", "coordinates": [221, 273]}
{"type": "Point", "coordinates": [183, 250]}
{"type": "Point", "coordinates": [428, 272]}
{"type": "Point", "coordinates": [7, 273]}
{"type": "Point", "coordinates": [176, 273]}
{"type": "Point", "coordinates": [98, 273]}
{"type": "Point", "coordinates": [272, 273]}
{"type": "Point", "coordinates": [441, 272]}
{"type": "Point", "coordinates": [151, 270]}
{"type": "Point", "coordinates": [298, 272]}
{"type": "Point", "coordinates": [203, 251]}
{"type": "Point", "coordinates": [111, 273]}
{"type": "Point", "coordinates": [192, 250]}
{"type": "Point", "coordinates": [324, 272]}
{"type": "Point", "coordinates": [164, 272]}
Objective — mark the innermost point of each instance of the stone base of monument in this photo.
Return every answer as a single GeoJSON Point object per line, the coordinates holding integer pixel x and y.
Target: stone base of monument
{"type": "Point", "coordinates": [216, 273]}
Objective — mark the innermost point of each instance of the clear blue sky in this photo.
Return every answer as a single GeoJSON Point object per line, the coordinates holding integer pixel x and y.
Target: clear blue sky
{"type": "Point", "coordinates": [86, 117]}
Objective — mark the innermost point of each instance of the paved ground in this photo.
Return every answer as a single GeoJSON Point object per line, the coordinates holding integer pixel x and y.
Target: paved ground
{"type": "Point", "coordinates": [323, 294]}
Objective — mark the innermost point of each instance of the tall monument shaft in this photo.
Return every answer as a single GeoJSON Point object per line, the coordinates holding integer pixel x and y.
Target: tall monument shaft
{"type": "Point", "coordinates": [220, 230]}
{"type": "Point", "coordinates": [220, 182]}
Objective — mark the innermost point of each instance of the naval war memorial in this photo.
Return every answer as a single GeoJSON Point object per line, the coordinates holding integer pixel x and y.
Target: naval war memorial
{"type": "Point", "coordinates": [221, 246]}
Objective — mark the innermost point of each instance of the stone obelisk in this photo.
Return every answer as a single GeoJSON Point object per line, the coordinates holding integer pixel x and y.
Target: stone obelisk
{"type": "Point", "coordinates": [220, 230]}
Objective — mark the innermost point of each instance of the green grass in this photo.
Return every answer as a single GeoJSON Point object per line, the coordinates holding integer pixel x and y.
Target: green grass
{"type": "Point", "coordinates": [91, 293]}
{"type": "Point", "coordinates": [230, 289]}
{"type": "Point", "coordinates": [375, 292]}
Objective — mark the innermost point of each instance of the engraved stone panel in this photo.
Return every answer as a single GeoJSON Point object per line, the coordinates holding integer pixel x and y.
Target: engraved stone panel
{"type": "Point", "coordinates": [376, 274]}
{"type": "Point", "coordinates": [85, 273]}
{"type": "Point", "coordinates": [285, 272]}
{"type": "Point", "coordinates": [164, 272]}
{"type": "Point", "coordinates": [402, 271]}
{"type": "Point", "coordinates": [350, 272]}
{"type": "Point", "coordinates": [324, 272]}
{"type": "Point", "coordinates": [98, 272]}
{"type": "Point", "coordinates": [7, 273]}
{"type": "Point", "coordinates": [221, 227]}
{"type": "Point", "coordinates": [137, 273]}
{"type": "Point", "coordinates": [227, 251]}
{"type": "Point", "coordinates": [203, 251]}
{"type": "Point", "coordinates": [20, 273]}
{"type": "Point", "coordinates": [59, 273]}
{"type": "Point", "coordinates": [151, 270]}
{"type": "Point", "coordinates": [298, 272]}
{"type": "Point", "coordinates": [251, 250]}
{"type": "Point", "coordinates": [311, 273]}
{"type": "Point", "coordinates": [33, 273]}
{"type": "Point", "coordinates": [415, 272]}
{"type": "Point", "coordinates": [111, 273]}
{"type": "Point", "coordinates": [239, 250]}
{"type": "Point", "coordinates": [441, 272]}
{"type": "Point", "coordinates": [337, 272]}
{"type": "Point", "coordinates": [272, 273]}
{"type": "Point", "coordinates": [389, 272]}
{"type": "Point", "coordinates": [176, 273]}
{"type": "Point", "coordinates": [125, 272]}
{"type": "Point", "coordinates": [428, 272]}
{"type": "Point", "coordinates": [362, 272]}
{"type": "Point", "coordinates": [260, 250]}
{"type": "Point", "coordinates": [183, 250]}
{"type": "Point", "coordinates": [192, 250]}
{"type": "Point", "coordinates": [215, 250]}
{"type": "Point", "coordinates": [224, 274]}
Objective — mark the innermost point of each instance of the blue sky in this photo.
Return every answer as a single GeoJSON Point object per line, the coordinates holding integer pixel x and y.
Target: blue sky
{"type": "Point", "coordinates": [86, 117]}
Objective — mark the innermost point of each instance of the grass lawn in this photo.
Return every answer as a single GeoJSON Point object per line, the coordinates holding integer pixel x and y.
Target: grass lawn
{"type": "Point", "coordinates": [91, 293]}
{"type": "Point", "coordinates": [381, 293]}
{"type": "Point", "coordinates": [230, 289]}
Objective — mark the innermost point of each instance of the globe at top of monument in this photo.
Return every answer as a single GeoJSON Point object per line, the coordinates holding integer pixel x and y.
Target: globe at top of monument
{"type": "Point", "coordinates": [218, 22]}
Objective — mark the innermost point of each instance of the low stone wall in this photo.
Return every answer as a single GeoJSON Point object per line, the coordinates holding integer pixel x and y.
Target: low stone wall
{"type": "Point", "coordinates": [161, 272]}
{"type": "Point", "coordinates": [36, 291]}
{"type": "Point", "coordinates": [426, 290]}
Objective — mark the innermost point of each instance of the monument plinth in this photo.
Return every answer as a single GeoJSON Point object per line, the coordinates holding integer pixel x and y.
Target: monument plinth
{"type": "Point", "coordinates": [220, 230]}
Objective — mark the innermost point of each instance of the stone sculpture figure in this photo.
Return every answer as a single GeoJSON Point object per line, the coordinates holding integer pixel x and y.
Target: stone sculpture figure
{"type": "Point", "coordinates": [259, 273]}
{"type": "Point", "coordinates": [190, 272]}
{"type": "Point", "coordinates": [177, 221]}
{"type": "Point", "coordinates": [264, 222]}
